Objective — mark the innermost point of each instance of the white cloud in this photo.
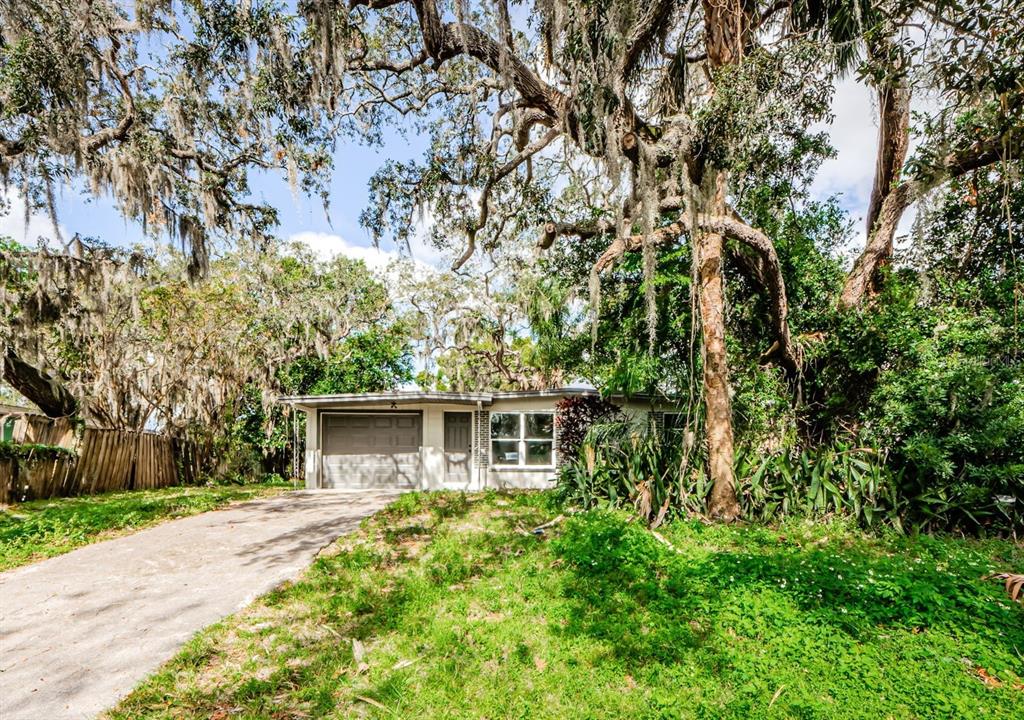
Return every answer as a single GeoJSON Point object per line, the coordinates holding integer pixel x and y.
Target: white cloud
{"type": "Point", "coordinates": [854, 134]}
{"type": "Point", "coordinates": [12, 221]}
{"type": "Point", "coordinates": [419, 245]}
{"type": "Point", "coordinates": [327, 246]}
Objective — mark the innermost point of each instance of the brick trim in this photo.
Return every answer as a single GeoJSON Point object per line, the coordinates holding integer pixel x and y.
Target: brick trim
{"type": "Point", "coordinates": [482, 428]}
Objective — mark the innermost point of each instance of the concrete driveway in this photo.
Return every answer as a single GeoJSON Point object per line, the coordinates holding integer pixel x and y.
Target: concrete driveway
{"type": "Point", "coordinates": [79, 631]}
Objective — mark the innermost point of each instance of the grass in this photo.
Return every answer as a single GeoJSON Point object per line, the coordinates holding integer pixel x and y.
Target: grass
{"type": "Point", "coordinates": [444, 606]}
{"type": "Point", "coordinates": [40, 529]}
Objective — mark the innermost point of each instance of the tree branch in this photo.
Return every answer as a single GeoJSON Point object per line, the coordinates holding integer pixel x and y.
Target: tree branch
{"type": "Point", "coordinates": [11, 148]}
{"type": "Point", "coordinates": [769, 272]}
{"type": "Point", "coordinates": [502, 172]}
{"type": "Point", "coordinates": [41, 388]}
{"type": "Point", "coordinates": [644, 32]}
{"type": "Point", "coordinates": [879, 246]}
{"type": "Point", "coordinates": [893, 142]}
{"type": "Point", "coordinates": [98, 139]}
{"type": "Point", "coordinates": [388, 65]}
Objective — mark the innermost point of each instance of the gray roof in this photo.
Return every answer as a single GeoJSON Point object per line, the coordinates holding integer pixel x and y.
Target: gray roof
{"type": "Point", "coordinates": [398, 396]}
{"type": "Point", "coordinates": [420, 396]}
{"type": "Point", "coordinates": [406, 397]}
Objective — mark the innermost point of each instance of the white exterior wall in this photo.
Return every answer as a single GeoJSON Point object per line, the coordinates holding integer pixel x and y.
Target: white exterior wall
{"type": "Point", "coordinates": [541, 477]}
{"type": "Point", "coordinates": [312, 448]}
{"type": "Point", "coordinates": [432, 462]}
{"type": "Point", "coordinates": [431, 448]}
{"type": "Point", "coordinates": [522, 477]}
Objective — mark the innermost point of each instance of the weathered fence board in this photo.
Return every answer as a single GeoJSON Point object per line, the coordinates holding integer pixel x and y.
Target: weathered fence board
{"type": "Point", "coordinates": [36, 478]}
{"type": "Point", "coordinates": [31, 428]}
{"type": "Point", "coordinates": [107, 460]}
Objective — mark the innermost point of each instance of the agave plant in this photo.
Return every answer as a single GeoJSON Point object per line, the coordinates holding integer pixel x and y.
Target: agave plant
{"type": "Point", "coordinates": [837, 479]}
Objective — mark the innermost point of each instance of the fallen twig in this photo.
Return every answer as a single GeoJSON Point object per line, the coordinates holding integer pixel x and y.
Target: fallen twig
{"type": "Point", "coordinates": [661, 538]}
{"type": "Point", "coordinates": [405, 663]}
{"type": "Point", "coordinates": [371, 701]}
{"type": "Point", "coordinates": [550, 523]}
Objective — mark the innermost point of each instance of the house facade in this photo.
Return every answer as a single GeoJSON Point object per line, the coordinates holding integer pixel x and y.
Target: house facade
{"type": "Point", "coordinates": [438, 440]}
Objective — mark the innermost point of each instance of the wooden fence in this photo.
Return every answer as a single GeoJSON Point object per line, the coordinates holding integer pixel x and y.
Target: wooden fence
{"type": "Point", "coordinates": [33, 428]}
{"type": "Point", "coordinates": [106, 460]}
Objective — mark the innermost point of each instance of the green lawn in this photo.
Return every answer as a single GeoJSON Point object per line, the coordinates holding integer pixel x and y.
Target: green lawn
{"type": "Point", "coordinates": [444, 606]}
{"type": "Point", "coordinates": [43, 528]}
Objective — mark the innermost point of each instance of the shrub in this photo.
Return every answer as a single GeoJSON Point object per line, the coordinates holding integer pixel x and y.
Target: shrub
{"type": "Point", "coordinates": [851, 481]}
{"type": "Point", "coordinates": [633, 462]}
{"type": "Point", "coordinates": [34, 451]}
{"type": "Point", "coordinates": [574, 418]}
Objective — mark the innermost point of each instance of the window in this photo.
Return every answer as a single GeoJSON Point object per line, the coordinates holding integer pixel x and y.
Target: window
{"type": "Point", "coordinates": [674, 422]}
{"type": "Point", "coordinates": [523, 439]}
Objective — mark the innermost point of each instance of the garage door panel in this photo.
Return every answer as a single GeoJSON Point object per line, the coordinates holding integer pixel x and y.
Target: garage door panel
{"type": "Point", "coordinates": [372, 470]}
{"type": "Point", "coordinates": [371, 451]}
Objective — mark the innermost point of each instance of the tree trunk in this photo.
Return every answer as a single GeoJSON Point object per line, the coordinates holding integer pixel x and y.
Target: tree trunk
{"type": "Point", "coordinates": [862, 279]}
{"type": "Point", "coordinates": [708, 246]}
{"type": "Point", "coordinates": [884, 211]}
{"type": "Point", "coordinates": [44, 390]}
{"type": "Point", "coordinates": [725, 23]}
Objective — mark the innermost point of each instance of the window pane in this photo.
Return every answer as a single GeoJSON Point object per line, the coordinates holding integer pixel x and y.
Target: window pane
{"type": "Point", "coordinates": [504, 425]}
{"type": "Point", "coordinates": [675, 421]}
{"type": "Point", "coordinates": [540, 425]}
{"type": "Point", "coordinates": [504, 452]}
{"type": "Point", "coordinates": [538, 452]}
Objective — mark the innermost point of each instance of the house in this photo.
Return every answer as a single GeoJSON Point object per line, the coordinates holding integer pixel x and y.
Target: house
{"type": "Point", "coordinates": [439, 440]}
{"type": "Point", "coordinates": [9, 416]}
{"type": "Point", "coordinates": [21, 424]}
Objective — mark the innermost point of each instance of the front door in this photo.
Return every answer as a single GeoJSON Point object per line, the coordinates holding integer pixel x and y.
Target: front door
{"type": "Point", "coordinates": [458, 428]}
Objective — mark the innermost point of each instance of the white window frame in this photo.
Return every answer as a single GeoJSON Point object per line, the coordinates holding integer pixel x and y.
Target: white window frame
{"type": "Point", "coordinates": [522, 465]}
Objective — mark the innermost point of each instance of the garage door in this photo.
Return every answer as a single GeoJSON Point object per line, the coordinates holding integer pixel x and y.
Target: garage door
{"type": "Point", "coordinates": [370, 451]}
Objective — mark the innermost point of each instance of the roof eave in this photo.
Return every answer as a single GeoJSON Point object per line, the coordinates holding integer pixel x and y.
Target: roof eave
{"type": "Point", "coordinates": [355, 399]}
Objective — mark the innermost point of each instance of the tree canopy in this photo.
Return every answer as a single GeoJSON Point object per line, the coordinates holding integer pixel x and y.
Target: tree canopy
{"type": "Point", "coordinates": [615, 137]}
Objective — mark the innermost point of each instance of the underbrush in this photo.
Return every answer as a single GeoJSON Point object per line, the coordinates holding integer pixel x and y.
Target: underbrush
{"type": "Point", "coordinates": [661, 474]}
{"type": "Point", "coordinates": [455, 606]}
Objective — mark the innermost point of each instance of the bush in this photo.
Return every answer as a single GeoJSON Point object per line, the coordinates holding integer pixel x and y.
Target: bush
{"type": "Point", "coordinates": [850, 481]}
{"type": "Point", "coordinates": [631, 464]}
{"type": "Point", "coordinates": [34, 451]}
{"type": "Point", "coordinates": [574, 418]}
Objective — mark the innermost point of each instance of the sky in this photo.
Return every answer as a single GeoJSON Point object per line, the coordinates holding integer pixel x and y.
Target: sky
{"type": "Point", "coordinates": [848, 176]}
{"type": "Point", "coordinates": [302, 218]}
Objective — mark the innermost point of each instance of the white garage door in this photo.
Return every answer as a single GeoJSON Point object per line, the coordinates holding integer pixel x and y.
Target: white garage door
{"type": "Point", "coordinates": [369, 451]}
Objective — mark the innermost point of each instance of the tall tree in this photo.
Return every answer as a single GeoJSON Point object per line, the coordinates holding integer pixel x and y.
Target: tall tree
{"type": "Point", "coordinates": [661, 112]}
{"type": "Point", "coordinates": [635, 123]}
{"type": "Point", "coordinates": [164, 107]}
{"type": "Point", "coordinates": [137, 344]}
{"type": "Point", "coordinates": [963, 57]}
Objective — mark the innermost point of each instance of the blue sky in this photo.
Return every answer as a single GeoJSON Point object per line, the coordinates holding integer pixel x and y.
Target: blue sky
{"type": "Point", "coordinates": [79, 212]}
{"type": "Point", "coordinates": [848, 175]}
